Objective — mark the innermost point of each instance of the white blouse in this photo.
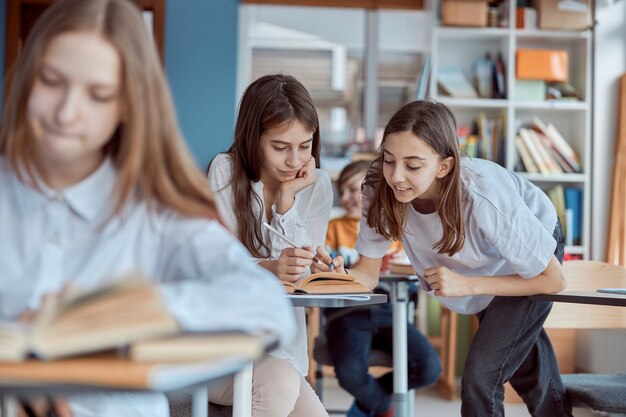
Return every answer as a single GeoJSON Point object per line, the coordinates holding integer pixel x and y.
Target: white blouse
{"type": "Point", "coordinates": [305, 223]}
{"type": "Point", "coordinates": [206, 277]}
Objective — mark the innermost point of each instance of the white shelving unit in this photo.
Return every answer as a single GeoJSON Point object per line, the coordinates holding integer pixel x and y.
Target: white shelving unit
{"type": "Point", "coordinates": [461, 47]}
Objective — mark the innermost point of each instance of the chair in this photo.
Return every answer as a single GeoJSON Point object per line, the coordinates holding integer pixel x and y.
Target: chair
{"type": "Point", "coordinates": [598, 392]}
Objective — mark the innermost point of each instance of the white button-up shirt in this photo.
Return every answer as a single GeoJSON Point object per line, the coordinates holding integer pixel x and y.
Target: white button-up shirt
{"type": "Point", "coordinates": [305, 224]}
{"type": "Point", "coordinates": [206, 277]}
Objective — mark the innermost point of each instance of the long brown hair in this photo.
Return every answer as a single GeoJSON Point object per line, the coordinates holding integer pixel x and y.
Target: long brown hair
{"type": "Point", "coordinates": [147, 148]}
{"type": "Point", "coordinates": [434, 123]}
{"type": "Point", "coordinates": [269, 102]}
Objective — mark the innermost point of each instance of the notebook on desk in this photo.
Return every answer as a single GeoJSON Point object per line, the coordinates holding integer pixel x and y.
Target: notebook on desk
{"type": "Point", "coordinates": [612, 290]}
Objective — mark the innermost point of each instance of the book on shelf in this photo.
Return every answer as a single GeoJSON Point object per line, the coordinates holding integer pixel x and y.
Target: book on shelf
{"type": "Point", "coordinates": [471, 146]}
{"type": "Point", "coordinates": [573, 215]}
{"type": "Point", "coordinates": [547, 157]}
{"type": "Point", "coordinates": [325, 283]}
{"type": "Point", "coordinates": [499, 77]}
{"type": "Point", "coordinates": [485, 133]}
{"type": "Point", "coordinates": [110, 316]}
{"type": "Point", "coordinates": [557, 195]}
{"type": "Point", "coordinates": [555, 156]}
{"type": "Point", "coordinates": [568, 204]}
{"type": "Point", "coordinates": [455, 83]}
{"type": "Point", "coordinates": [422, 79]}
{"type": "Point", "coordinates": [483, 73]}
{"type": "Point", "coordinates": [537, 157]}
{"type": "Point", "coordinates": [559, 143]}
{"type": "Point", "coordinates": [485, 139]}
{"type": "Point", "coordinates": [524, 153]}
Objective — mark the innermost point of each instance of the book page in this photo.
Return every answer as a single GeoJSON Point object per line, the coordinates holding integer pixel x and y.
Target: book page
{"type": "Point", "coordinates": [13, 345]}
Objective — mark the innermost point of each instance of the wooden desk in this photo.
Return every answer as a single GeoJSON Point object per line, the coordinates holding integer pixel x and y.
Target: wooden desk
{"type": "Point", "coordinates": [107, 373]}
{"type": "Point", "coordinates": [580, 306]}
{"type": "Point", "coordinates": [585, 297]}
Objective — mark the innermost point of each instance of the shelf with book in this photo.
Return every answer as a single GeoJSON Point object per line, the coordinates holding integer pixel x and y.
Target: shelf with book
{"type": "Point", "coordinates": [557, 105]}
{"type": "Point", "coordinates": [479, 103]}
{"type": "Point", "coordinates": [565, 107]}
{"type": "Point", "coordinates": [471, 33]}
{"type": "Point", "coordinates": [560, 178]}
{"type": "Point", "coordinates": [552, 34]}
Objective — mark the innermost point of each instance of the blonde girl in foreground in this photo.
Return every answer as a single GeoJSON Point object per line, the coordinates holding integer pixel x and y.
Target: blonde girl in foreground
{"type": "Point", "coordinates": [95, 181]}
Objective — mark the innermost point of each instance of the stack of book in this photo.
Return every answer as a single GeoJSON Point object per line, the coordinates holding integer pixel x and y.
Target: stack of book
{"type": "Point", "coordinates": [542, 149]}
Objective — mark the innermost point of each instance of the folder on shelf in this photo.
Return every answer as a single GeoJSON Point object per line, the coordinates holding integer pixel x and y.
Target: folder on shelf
{"type": "Point", "coordinates": [542, 64]}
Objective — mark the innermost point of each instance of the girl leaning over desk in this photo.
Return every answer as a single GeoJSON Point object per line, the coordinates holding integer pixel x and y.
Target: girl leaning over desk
{"type": "Point", "coordinates": [482, 240]}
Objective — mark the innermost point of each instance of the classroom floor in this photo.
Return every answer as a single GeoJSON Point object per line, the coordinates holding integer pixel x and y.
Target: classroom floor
{"type": "Point", "coordinates": [427, 403]}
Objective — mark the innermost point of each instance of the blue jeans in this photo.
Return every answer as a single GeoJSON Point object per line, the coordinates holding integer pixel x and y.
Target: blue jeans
{"type": "Point", "coordinates": [350, 339]}
{"type": "Point", "coordinates": [511, 345]}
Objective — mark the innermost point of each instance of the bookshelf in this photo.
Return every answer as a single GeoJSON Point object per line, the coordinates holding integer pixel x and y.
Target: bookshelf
{"type": "Point", "coordinates": [460, 47]}
{"type": "Point", "coordinates": [22, 15]}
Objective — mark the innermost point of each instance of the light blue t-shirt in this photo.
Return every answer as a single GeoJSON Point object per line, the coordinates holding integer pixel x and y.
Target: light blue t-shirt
{"type": "Point", "coordinates": [509, 223]}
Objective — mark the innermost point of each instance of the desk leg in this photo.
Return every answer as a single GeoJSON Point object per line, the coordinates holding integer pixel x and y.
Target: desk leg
{"type": "Point", "coordinates": [400, 346]}
{"type": "Point", "coordinates": [200, 402]}
{"type": "Point", "coordinates": [9, 406]}
{"type": "Point", "coordinates": [242, 393]}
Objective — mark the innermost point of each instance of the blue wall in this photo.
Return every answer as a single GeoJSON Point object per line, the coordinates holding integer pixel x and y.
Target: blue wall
{"type": "Point", "coordinates": [201, 63]}
{"type": "Point", "coordinates": [3, 31]}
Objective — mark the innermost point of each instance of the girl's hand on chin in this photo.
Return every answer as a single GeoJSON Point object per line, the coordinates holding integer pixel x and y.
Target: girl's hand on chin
{"type": "Point", "coordinates": [305, 177]}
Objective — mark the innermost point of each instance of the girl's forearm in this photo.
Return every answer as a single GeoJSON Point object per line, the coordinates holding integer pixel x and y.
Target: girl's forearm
{"type": "Point", "coordinates": [551, 280]}
{"type": "Point", "coordinates": [284, 203]}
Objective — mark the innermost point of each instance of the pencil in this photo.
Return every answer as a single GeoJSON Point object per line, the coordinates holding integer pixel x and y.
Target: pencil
{"type": "Point", "coordinates": [287, 240]}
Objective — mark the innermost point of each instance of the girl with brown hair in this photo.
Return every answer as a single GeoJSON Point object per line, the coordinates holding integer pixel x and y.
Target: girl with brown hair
{"type": "Point", "coordinates": [95, 182]}
{"type": "Point", "coordinates": [481, 240]}
{"type": "Point", "coordinates": [271, 174]}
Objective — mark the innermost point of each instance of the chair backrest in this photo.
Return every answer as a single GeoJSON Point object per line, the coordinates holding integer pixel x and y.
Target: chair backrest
{"type": "Point", "coordinates": [589, 276]}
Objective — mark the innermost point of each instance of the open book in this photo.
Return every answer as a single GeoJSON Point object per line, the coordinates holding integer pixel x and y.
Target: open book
{"type": "Point", "coordinates": [326, 283]}
{"type": "Point", "coordinates": [111, 316]}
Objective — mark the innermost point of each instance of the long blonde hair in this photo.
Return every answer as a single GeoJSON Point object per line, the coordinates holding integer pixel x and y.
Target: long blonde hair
{"type": "Point", "coordinates": [147, 148]}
